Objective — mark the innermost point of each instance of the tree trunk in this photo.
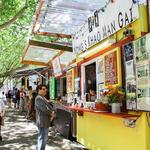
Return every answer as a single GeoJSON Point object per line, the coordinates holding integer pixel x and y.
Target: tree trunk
{"type": "Point", "coordinates": [11, 21]}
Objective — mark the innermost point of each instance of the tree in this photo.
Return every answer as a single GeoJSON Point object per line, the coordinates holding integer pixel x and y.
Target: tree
{"type": "Point", "coordinates": [15, 21]}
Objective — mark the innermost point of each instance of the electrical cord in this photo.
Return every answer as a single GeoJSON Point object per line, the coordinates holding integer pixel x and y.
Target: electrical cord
{"type": "Point", "coordinates": [138, 118]}
{"type": "Point", "coordinates": [134, 121]}
{"type": "Point", "coordinates": [148, 120]}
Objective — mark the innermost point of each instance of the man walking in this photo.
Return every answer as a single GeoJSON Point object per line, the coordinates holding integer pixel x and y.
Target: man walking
{"type": "Point", "coordinates": [44, 112]}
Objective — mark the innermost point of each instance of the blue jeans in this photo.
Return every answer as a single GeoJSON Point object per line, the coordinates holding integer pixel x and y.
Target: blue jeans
{"type": "Point", "coordinates": [42, 138]}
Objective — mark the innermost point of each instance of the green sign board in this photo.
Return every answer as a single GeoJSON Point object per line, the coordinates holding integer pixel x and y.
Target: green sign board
{"type": "Point", "coordinates": [52, 88]}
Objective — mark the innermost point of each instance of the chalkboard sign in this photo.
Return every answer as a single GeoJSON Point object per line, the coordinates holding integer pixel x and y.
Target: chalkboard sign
{"type": "Point", "coordinates": [111, 69]}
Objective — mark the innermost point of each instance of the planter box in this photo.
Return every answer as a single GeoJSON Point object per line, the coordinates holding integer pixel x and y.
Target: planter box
{"type": "Point", "coordinates": [101, 106]}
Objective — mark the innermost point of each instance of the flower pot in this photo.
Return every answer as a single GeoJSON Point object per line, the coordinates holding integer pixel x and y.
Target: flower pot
{"type": "Point", "coordinates": [115, 108]}
{"type": "Point", "coordinates": [101, 106]}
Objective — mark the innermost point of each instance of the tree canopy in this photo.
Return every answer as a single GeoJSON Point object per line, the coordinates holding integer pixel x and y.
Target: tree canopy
{"type": "Point", "coordinates": [15, 21]}
{"type": "Point", "coordinates": [15, 24]}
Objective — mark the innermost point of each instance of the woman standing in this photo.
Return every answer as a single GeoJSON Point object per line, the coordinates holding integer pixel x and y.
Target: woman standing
{"type": "Point", "coordinates": [22, 100]}
{"type": "Point", "coordinates": [29, 114]}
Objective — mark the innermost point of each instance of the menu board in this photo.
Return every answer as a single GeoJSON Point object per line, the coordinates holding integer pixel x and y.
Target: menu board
{"type": "Point", "coordinates": [111, 69]}
{"type": "Point", "coordinates": [142, 59]}
{"type": "Point", "coordinates": [137, 66]}
{"type": "Point", "coordinates": [57, 67]}
{"type": "Point", "coordinates": [70, 80]}
{"type": "Point", "coordinates": [130, 77]}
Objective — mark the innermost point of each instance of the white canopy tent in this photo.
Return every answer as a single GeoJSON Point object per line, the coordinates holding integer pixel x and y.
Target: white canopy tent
{"type": "Point", "coordinates": [61, 18]}
{"type": "Point", "coordinates": [57, 18]}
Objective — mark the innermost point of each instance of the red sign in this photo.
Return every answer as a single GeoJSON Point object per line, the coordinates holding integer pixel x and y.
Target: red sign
{"type": "Point", "coordinates": [69, 81]}
{"type": "Point", "coordinates": [57, 67]}
{"type": "Point", "coordinates": [111, 71]}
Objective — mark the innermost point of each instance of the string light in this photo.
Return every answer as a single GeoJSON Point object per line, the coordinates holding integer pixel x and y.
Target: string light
{"type": "Point", "coordinates": [102, 9]}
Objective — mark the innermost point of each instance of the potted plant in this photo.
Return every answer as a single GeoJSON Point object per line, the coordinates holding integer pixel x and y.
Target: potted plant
{"type": "Point", "coordinates": [115, 97]}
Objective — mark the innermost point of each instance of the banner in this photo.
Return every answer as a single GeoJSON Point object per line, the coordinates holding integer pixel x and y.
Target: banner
{"type": "Point", "coordinates": [70, 81]}
{"type": "Point", "coordinates": [137, 66]}
{"type": "Point", "coordinates": [111, 69]}
{"type": "Point", "coordinates": [57, 67]}
{"type": "Point", "coordinates": [52, 88]}
{"type": "Point", "coordinates": [104, 23]}
{"type": "Point", "coordinates": [142, 58]}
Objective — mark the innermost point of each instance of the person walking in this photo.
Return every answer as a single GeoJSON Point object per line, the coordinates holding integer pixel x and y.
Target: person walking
{"type": "Point", "coordinates": [2, 112]}
{"type": "Point", "coordinates": [30, 104]}
{"type": "Point", "coordinates": [22, 100]}
{"type": "Point", "coordinates": [9, 98]}
{"type": "Point", "coordinates": [18, 98]}
{"type": "Point", "coordinates": [44, 112]}
{"type": "Point", "coordinates": [4, 98]}
{"type": "Point", "coordinates": [15, 97]}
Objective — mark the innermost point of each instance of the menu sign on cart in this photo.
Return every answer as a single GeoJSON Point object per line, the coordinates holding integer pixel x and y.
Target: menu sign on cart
{"type": "Point", "coordinates": [142, 58]}
{"type": "Point", "coordinates": [57, 67]}
{"type": "Point", "coordinates": [111, 69]}
{"type": "Point", "coordinates": [130, 77]}
{"type": "Point", "coordinates": [70, 81]}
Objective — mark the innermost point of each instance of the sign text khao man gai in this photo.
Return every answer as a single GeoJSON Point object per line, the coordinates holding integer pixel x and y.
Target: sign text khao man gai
{"type": "Point", "coordinates": [101, 25]}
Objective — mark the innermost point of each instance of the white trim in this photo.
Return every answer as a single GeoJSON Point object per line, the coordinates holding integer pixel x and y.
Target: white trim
{"type": "Point", "coordinates": [83, 76]}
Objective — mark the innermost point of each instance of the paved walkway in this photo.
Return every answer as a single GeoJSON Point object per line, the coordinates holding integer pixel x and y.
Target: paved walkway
{"type": "Point", "coordinates": [18, 134]}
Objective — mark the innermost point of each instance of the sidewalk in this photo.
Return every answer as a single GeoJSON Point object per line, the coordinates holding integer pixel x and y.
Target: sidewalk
{"type": "Point", "coordinates": [18, 134]}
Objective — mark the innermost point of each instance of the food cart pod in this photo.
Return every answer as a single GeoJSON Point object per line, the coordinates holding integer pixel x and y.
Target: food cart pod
{"type": "Point", "coordinates": [99, 130]}
{"type": "Point", "coordinates": [57, 57]}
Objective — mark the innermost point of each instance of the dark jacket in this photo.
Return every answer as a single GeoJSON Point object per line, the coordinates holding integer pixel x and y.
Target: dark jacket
{"type": "Point", "coordinates": [43, 112]}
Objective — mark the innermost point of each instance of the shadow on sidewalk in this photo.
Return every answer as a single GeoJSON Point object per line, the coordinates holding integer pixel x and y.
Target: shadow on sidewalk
{"type": "Point", "coordinates": [18, 134]}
